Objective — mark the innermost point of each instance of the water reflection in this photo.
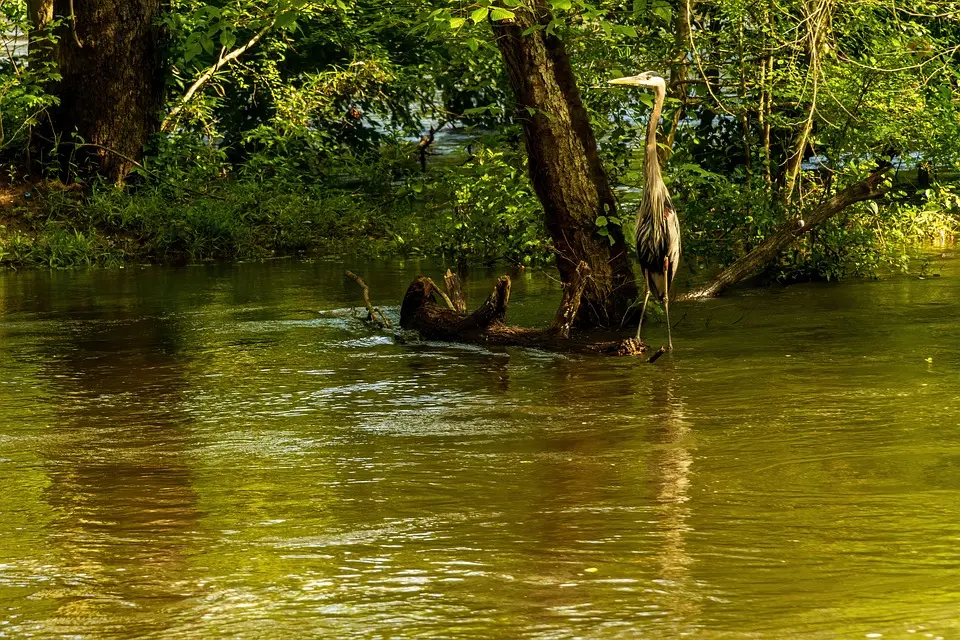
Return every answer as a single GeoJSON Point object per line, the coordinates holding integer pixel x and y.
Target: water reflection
{"type": "Point", "coordinates": [672, 475]}
{"type": "Point", "coordinates": [119, 481]}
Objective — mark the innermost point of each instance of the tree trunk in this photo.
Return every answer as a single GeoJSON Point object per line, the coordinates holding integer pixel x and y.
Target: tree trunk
{"type": "Point", "coordinates": [108, 53]}
{"type": "Point", "coordinates": [867, 189]}
{"type": "Point", "coordinates": [678, 75]}
{"type": "Point", "coordinates": [565, 168]}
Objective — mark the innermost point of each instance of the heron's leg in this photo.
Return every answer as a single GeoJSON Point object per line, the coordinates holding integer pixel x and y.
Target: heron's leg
{"type": "Point", "coordinates": [666, 299]}
{"type": "Point", "coordinates": [643, 311]}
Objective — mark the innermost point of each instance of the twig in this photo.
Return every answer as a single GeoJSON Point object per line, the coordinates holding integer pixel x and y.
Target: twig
{"type": "Point", "coordinates": [657, 355]}
{"type": "Point", "coordinates": [73, 26]}
{"type": "Point", "coordinates": [374, 314]}
{"type": "Point", "coordinates": [10, 57]}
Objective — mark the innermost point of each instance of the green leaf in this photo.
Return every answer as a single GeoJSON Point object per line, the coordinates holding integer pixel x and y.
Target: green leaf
{"type": "Point", "coordinates": [663, 13]}
{"type": "Point", "coordinates": [626, 30]}
{"type": "Point", "coordinates": [456, 23]}
{"type": "Point", "coordinates": [206, 42]}
{"type": "Point", "coordinates": [478, 110]}
{"type": "Point", "coordinates": [228, 38]}
{"type": "Point", "coordinates": [192, 51]}
{"type": "Point", "coordinates": [601, 221]}
{"type": "Point", "coordinates": [473, 44]}
{"type": "Point", "coordinates": [287, 20]}
{"type": "Point", "coordinates": [561, 5]}
{"type": "Point", "coordinates": [499, 13]}
{"type": "Point", "coordinates": [479, 15]}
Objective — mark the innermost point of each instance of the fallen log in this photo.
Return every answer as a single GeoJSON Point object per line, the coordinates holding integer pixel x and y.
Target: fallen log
{"type": "Point", "coordinates": [869, 188]}
{"type": "Point", "coordinates": [487, 324]}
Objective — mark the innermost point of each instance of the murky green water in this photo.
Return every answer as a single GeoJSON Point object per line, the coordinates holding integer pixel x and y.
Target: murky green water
{"type": "Point", "coordinates": [190, 453]}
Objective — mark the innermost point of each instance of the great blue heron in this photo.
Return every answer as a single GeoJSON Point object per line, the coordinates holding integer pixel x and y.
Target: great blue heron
{"type": "Point", "coordinates": [658, 230]}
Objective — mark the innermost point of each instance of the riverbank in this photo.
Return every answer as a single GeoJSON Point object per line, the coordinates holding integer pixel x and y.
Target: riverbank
{"type": "Point", "coordinates": [50, 225]}
{"type": "Point", "coordinates": [484, 212]}
{"type": "Point", "coordinates": [481, 211]}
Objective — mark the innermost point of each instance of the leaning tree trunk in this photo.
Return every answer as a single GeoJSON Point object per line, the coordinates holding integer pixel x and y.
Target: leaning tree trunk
{"type": "Point", "coordinates": [869, 188]}
{"type": "Point", "coordinates": [111, 87]}
{"type": "Point", "coordinates": [565, 168]}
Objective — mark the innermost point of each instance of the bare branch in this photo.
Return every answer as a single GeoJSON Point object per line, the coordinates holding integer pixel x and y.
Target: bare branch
{"type": "Point", "coordinates": [374, 314]}
{"type": "Point", "coordinates": [223, 60]}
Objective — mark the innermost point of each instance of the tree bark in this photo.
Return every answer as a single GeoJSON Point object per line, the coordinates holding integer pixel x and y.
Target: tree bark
{"type": "Point", "coordinates": [564, 165]}
{"type": "Point", "coordinates": [869, 188]}
{"type": "Point", "coordinates": [108, 53]}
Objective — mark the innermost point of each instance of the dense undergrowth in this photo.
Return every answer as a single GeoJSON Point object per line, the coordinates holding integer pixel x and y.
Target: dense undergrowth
{"type": "Point", "coordinates": [472, 208]}
{"type": "Point", "coordinates": [476, 207]}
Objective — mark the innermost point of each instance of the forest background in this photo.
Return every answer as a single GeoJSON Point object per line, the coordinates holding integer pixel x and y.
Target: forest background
{"type": "Point", "coordinates": [184, 131]}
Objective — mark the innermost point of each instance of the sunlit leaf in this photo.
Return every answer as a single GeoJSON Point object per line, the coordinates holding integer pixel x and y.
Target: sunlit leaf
{"type": "Point", "coordinates": [480, 14]}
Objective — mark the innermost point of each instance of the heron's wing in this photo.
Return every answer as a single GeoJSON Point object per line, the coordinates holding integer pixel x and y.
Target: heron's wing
{"type": "Point", "coordinates": [672, 238]}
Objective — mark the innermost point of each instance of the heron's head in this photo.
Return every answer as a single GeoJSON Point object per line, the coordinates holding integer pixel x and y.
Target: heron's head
{"type": "Point", "coordinates": [646, 79]}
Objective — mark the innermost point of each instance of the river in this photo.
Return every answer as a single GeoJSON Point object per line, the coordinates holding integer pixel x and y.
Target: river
{"type": "Point", "coordinates": [197, 453]}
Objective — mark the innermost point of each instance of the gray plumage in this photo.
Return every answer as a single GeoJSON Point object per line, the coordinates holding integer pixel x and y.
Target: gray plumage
{"type": "Point", "coordinates": [657, 227]}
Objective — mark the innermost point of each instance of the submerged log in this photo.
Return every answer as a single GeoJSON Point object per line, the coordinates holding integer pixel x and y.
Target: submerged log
{"type": "Point", "coordinates": [487, 324]}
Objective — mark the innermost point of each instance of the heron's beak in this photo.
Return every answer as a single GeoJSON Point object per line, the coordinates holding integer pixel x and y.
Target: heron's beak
{"type": "Point", "coordinates": [632, 81]}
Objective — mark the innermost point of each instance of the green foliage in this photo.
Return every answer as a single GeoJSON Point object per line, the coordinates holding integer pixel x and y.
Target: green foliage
{"type": "Point", "coordinates": [482, 210]}
{"type": "Point", "coordinates": [239, 221]}
{"type": "Point", "coordinates": [23, 86]}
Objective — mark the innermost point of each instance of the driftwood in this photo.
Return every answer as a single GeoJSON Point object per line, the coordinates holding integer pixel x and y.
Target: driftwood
{"type": "Point", "coordinates": [869, 188]}
{"type": "Point", "coordinates": [487, 325]}
{"type": "Point", "coordinates": [374, 315]}
{"type": "Point", "coordinates": [656, 356]}
{"type": "Point", "coordinates": [455, 287]}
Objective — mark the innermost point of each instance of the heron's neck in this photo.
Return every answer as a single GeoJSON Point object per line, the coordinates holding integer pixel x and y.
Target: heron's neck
{"type": "Point", "coordinates": [651, 166]}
